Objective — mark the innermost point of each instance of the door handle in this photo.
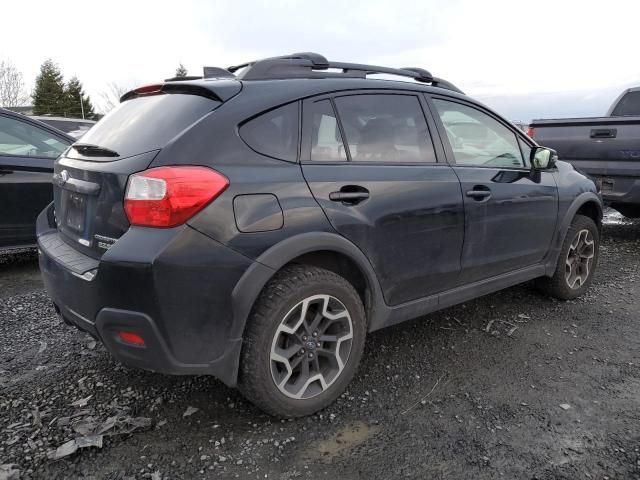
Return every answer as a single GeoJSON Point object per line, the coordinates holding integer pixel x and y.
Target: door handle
{"type": "Point", "coordinates": [350, 195]}
{"type": "Point", "coordinates": [479, 194]}
{"type": "Point", "coordinates": [604, 133]}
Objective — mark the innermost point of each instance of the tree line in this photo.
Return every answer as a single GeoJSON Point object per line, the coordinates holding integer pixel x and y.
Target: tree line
{"type": "Point", "coordinates": [52, 95]}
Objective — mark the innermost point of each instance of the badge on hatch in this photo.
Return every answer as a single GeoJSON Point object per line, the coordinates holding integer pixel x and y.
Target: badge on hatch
{"type": "Point", "coordinates": [104, 242]}
{"type": "Point", "coordinates": [61, 178]}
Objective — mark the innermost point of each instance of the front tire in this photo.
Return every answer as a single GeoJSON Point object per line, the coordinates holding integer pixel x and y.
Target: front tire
{"type": "Point", "coordinates": [303, 342]}
{"type": "Point", "coordinates": [577, 261]}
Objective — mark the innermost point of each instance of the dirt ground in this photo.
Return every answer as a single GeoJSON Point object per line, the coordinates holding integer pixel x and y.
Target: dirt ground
{"type": "Point", "coordinates": [512, 385]}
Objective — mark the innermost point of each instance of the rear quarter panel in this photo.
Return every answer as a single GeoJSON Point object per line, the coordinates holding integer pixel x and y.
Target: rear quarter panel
{"type": "Point", "coordinates": [216, 143]}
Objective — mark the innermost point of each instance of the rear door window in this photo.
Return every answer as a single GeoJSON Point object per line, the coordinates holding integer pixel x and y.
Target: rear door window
{"type": "Point", "coordinates": [147, 123]}
{"type": "Point", "coordinates": [22, 139]}
{"type": "Point", "coordinates": [326, 140]}
{"type": "Point", "coordinates": [386, 128]}
{"type": "Point", "coordinates": [274, 133]}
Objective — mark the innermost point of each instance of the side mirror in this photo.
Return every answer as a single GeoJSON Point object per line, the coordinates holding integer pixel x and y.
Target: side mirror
{"type": "Point", "coordinates": [542, 158]}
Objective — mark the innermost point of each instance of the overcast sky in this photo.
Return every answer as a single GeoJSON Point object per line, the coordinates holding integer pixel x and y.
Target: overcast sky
{"type": "Point", "coordinates": [526, 58]}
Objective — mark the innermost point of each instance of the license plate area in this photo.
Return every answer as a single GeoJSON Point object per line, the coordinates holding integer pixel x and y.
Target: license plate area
{"type": "Point", "coordinates": [607, 185]}
{"type": "Point", "coordinates": [74, 206]}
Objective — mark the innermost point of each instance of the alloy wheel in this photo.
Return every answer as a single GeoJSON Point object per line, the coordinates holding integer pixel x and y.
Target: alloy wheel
{"type": "Point", "coordinates": [579, 259]}
{"type": "Point", "coordinates": [311, 346]}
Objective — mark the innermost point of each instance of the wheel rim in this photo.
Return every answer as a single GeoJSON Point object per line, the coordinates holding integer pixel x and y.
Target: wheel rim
{"type": "Point", "coordinates": [311, 346]}
{"type": "Point", "coordinates": [579, 259]}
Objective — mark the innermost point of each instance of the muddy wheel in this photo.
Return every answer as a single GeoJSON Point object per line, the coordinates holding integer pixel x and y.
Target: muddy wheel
{"type": "Point", "coordinates": [303, 342]}
{"type": "Point", "coordinates": [577, 261]}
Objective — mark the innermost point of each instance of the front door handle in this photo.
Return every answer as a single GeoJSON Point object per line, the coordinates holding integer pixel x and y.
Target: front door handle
{"type": "Point", "coordinates": [479, 194]}
{"type": "Point", "coordinates": [350, 195]}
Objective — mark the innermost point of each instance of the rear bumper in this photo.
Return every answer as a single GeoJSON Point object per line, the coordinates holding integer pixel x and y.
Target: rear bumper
{"type": "Point", "coordinates": [619, 181]}
{"type": "Point", "coordinates": [620, 190]}
{"type": "Point", "coordinates": [173, 287]}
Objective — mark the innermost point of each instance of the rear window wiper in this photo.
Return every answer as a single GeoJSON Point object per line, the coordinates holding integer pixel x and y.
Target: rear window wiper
{"type": "Point", "coordinates": [89, 150]}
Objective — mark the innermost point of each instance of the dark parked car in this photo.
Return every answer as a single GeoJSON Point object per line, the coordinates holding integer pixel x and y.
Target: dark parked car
{"type": "Point", "coordinates": [75, 127]}
{"type": "Point", "coordinates": [256, 226]}
{"type": "Point", "coordinates": [606, 148]}
{"type": "Point", "coordinates": [27, 151]}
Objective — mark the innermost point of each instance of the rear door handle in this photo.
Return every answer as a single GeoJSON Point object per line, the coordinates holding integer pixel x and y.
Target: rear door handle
{"type": "Point", "coordinates": [479, 194]}
{"type": "Point", "coordinates": [350, 195]}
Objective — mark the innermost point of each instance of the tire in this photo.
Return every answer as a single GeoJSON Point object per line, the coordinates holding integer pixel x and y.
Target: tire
{"type": "Point", "coordinates": [573, 276]}
{"type": "Point", "coordinates": [277, 387]}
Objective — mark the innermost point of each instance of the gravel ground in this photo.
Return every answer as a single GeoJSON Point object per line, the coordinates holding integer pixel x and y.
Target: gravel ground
{"type": "Point", "coordinates": [512, 385]}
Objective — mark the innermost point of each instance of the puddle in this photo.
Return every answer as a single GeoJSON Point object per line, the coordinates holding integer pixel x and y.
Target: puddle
{"type": "Point", "coordinates": [612, 217]}
{"type": "Point", "coordinates": [341, 442]}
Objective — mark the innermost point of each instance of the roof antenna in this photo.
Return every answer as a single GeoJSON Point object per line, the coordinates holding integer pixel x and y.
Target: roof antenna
{"type": "Point", "coordinates": [217, 72]}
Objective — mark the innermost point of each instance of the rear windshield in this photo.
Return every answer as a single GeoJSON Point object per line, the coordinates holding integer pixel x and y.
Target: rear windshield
{"type": "Point", "coordinates": [628, 106]}
{"type": "Point", "coordinates": [147, 123]}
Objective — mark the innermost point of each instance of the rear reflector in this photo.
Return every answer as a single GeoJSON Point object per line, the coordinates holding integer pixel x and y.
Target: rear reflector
{"type": "Point", "coordinates": [131, 338]}
{"type": "Point", "coordinates": [165, 197]}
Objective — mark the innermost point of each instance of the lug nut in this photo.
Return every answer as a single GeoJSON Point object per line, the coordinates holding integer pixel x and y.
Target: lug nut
{"type": "Point", "coordinates": [302, 351]}
{"type": "Point", "coordinates": [311, 355]}
{"type": "Point", "coordinates": [315, 334]}
{"type": "Point", "coordinates": [304, 338]}
{"type": "Point", "coordinates": [318, 344]}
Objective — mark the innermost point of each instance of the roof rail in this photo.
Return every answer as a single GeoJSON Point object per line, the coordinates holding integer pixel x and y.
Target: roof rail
{"type": "Point", "coordinates": [314, 65]}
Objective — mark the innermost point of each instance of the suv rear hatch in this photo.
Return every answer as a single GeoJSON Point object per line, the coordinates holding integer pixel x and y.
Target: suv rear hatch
{"type": "Point", "coordinates": [90, 179]}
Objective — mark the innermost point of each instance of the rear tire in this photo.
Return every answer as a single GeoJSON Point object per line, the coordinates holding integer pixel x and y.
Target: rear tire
{"type": "Point", "coordinates": [577, 261]}
{"type": "Point", "coordinates": [302, 343]}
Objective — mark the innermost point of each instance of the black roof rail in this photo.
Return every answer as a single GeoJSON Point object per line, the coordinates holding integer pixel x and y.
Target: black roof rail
{"type": "Point", "coordinates": [314, 65]}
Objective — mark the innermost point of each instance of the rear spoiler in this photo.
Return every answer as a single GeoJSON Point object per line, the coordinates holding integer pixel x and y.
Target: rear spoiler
{"type": "Point", "coordinates": [218, 90]}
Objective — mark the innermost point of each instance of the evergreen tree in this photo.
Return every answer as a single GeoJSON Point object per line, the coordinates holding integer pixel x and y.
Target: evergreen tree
{"type": "Point", "coordinates": [181, 71]}
{"type": "Point", "coordinates": [49, 95]}
{"type": "Point", "coordinates": [76, 102]}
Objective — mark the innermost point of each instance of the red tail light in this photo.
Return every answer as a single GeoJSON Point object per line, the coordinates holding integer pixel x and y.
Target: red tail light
{"type": "Point", "coordinates": [165, 197]}
{"type": "Point", "coordinates": [530, 132]}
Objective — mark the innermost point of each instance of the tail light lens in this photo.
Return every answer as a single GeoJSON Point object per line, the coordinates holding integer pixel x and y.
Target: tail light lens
{"type": "Point", "coordinates": [131, 338]}
{"type": "Point", "coordinates": [169, 196]}
{"type": "Point", "coordinates": [530, 132]}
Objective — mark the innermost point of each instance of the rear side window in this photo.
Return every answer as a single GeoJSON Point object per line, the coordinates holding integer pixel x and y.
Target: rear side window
{"type": "Point", "coordinates": [274, 133]}
{"type": "Point", "coordinates": [147, 123]}
{"type": "Point", "coordinates": [21, 139]}
{"type": "Point", "coordinates": [628, 106]}
{"type": "Point", "coordinates": [385, 128]}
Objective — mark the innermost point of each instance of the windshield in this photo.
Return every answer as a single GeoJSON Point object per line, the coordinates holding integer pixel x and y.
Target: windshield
{"type": "Point", "coordinates": [67, 126]}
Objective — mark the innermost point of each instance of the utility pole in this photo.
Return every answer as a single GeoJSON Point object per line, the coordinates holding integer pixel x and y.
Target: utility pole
{"type": "Point", "coordinates": [82, 106]}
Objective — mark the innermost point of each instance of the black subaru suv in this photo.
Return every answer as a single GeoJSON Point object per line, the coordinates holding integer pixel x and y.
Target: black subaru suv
{"type": "Point", "coordinates": [256, 223]}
